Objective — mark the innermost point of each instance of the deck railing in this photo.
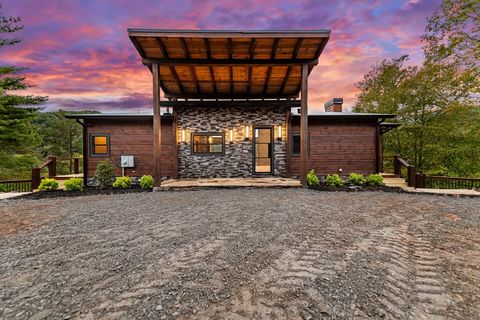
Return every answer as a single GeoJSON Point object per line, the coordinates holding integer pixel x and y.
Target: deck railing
{"type": "Point", "coordinates": [398, 163]}
{"type": "Point", "coordinates": [439, 182]}
{"type": "Point", "coordinates": [16, 185]}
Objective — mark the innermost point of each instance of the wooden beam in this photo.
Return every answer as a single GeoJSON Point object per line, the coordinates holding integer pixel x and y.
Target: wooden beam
{"type": "Point", "coordinates": [209, 56]}
{"type": "Point", "coordinates": [213, 62]}
{"type": "Point", "coordinates": [304, 126]}
{"type": "Point", "coordinates": [230, 56]}
{"type": "Point", "coordinates": [252, 55]}
{"type": "Point", "coordinates": [228, 95]}
{"type": "Point", "coordinates": [245, 104]}
{"type": "Point", "coordinates": [157, 127]}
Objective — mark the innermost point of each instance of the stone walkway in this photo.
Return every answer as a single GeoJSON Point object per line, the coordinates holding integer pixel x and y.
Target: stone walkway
{"type": "Point", "coordinates": [8, 195]}
{"type": "Point", "coordinates": [269, 182]}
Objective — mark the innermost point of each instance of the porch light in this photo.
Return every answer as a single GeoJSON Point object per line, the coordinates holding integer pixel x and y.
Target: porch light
{"type": "Point", "coordinates": [279, 133]}
{"type": "Point", "coordinates": [230, 135]}
{"type": "Point", "coordinates": [247, 132]}
{"type": "Point", "coordinates": [184, 135]}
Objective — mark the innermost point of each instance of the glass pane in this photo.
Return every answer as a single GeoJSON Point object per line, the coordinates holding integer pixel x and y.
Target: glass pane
{"type": "Point", "coordinates": [100, 140]}
{"type": "Point", "coordinates": [262, 135]}
{"type": "Point", "coordinates": [295, 144]}
{"type": "Point", "coordinates": [200, 139]}
{"type": "Point", "coordinates": [100, 149]}
{"type": "Point", "coordinates": [216, 148]}
{"type": "Point", "coordinates": [200, 148]}
{"type": "Point", "coordinates": [216, 140]}
{"type": "Point", "coordinates": [261, 150]}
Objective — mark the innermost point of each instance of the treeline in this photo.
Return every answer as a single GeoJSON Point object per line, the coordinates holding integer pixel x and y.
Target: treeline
{"type": "Point", "coordinates": [42, 134]}
{"type": "Point", "coordinates": [437, 103]}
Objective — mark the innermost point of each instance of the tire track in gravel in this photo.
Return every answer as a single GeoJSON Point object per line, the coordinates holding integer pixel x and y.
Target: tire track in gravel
{"type": "Point", "coordinates": [276, 291]}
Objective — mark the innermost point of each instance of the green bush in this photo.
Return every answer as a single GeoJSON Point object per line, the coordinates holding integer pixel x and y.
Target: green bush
{"type": "Point", "coordinates": [123, 182]}
{"type": "Point", "coordinates": [312, 179]}
{"type": "Point", "coordinates": [3, 188]}
{"type": "Point", "coordinates": [48, 184]}
{"type": "Point", "coordinates": [374, 180]}
{"type": "Point", "coordinates": [334, 180]}
{"type": "Point", "coordinates": [73, 184]}
{"type": "Point", "coordinates": [356, 179]}
{"type": "Point", "coordinates": [146, 182]}
{"type": "Point", "coordinates": [104, 174]}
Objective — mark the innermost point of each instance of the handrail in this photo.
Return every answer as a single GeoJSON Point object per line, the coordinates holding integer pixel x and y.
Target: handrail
{"type": "Point", "coordinates": [398, 162]}
{"type": "Point", "coordinates": [51, 163]}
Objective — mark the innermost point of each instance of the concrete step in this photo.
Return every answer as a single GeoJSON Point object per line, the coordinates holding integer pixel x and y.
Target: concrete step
{"type": "Point", "coordinates": [389, 175]}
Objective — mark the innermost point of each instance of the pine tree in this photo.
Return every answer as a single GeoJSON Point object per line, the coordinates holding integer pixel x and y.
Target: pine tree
{"type": "Point", "coordinates": [16, 111]}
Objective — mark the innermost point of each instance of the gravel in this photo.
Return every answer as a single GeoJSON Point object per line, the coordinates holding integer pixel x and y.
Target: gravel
{"type": "Point", "coordinates": [241, 254]}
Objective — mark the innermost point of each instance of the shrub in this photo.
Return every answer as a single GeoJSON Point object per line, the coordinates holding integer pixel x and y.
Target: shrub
{"type": "Point", "coordinates": [146, 182]}
{"type": "Point", "coordinates": [48, 184]}
{"type": "Point", "coordinates": [356, 179]}
{"type": "Point", "coordinates": [312, 179]}
{"type": "Point", "coordinates": [374, 180]}
{"type": "Point", "coordinates": [3, 188]}
{"type": "Point", "coordinates": [104, 174]}
{"type": "Point", "coordinates": [73, 184]}
{"type": "Point", "coordinates": [123, 182]}
{"type": "Point", "coordinates": [334, 180]}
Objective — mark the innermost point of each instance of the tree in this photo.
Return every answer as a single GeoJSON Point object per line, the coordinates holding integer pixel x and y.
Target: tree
{"type": "Point", "coordinates": [60, 137]}
{"type": "Point", "coordinates": [16, 113]}
{"type": "Point", "coordinates": [453, 34]}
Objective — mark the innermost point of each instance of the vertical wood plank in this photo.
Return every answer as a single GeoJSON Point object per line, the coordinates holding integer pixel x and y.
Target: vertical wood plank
{"type": "Point", "coordinates": [304, 126]}
{"type": "Point", "coordinates": [157, 126]}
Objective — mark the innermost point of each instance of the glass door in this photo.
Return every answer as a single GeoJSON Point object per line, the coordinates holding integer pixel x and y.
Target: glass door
{"type": "Point", "coordinates": [263, 150]}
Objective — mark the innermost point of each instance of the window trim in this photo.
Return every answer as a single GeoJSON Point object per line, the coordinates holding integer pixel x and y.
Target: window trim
{"type": "Point", "coordinates": [92, 149]}
{"type": "Point", "coordinates": [291, 144]}
{"type": "Point", "coordinates": [192, 152]}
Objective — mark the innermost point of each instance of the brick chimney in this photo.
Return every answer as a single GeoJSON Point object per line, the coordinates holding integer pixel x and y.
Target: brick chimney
{"type": "Point", "coordinates": [334, 105]}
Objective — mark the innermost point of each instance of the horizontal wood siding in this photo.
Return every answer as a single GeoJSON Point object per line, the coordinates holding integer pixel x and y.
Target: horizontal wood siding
{"type": "Point", "coordinates": [134, 138]}
{"type": "Point", "coordinates": [338, 144]}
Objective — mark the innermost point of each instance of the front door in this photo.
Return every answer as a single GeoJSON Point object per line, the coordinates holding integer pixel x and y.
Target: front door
{"type": "Point", "coordinates": [263, 151]}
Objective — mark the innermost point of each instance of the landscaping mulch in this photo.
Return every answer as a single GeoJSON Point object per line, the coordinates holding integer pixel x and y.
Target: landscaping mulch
{"type": "Point", "coordinates": [350, 188]}
{"type": "Point", "coordinates": [89, 191]}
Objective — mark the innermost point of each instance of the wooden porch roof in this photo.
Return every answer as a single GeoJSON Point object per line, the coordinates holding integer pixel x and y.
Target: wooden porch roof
{"type": "Point", "coordinates": [229, 64]}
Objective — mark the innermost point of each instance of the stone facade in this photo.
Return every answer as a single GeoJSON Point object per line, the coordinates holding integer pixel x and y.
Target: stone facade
{"type": "Point", "coordinates": [237, 160]}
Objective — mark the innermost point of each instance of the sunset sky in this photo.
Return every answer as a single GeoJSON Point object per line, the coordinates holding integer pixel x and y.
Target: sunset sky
{"type": "Point", "coordinates": [78, 52]}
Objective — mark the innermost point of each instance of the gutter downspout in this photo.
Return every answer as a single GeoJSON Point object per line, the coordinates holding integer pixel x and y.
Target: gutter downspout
{"type": "Point", "coordinates": [85, 162]}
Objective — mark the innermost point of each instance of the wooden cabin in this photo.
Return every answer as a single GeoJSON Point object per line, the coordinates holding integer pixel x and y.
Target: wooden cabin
{"type": "Point", "coordinates": [234, 104]}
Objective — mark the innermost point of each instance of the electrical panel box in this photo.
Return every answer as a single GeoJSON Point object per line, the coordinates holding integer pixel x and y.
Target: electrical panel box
{"type": "Point", "coordinates": [127, 162]}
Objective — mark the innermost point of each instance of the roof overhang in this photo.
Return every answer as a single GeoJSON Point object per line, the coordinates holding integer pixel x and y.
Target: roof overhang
{"type": "Point", "coordinates": [211, 64]}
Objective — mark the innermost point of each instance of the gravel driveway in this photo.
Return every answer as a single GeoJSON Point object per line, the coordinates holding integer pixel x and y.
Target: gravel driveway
{"type": "Point", "coordinates": [241, 254]}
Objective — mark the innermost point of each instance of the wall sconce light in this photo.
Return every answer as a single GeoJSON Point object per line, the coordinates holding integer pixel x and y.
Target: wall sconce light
{"type": "Point", "coordinates": [230, 136]}
{"type": "Point", "coordinates": [247, 132]}
{"type": "Point", "coordinates": [184, 135]}
{"type": "Point", "coordinates": [279, 133]}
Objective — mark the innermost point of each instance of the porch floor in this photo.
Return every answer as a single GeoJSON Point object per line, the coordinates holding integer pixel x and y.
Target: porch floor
{"type": "Point", "coordinates": [269, 182]}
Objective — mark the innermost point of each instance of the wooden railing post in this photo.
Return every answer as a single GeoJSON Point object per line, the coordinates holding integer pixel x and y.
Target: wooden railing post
{"type": "Point", "coordinates": [35, 178]}
{"type": "Point", "coordinates": [411, 176]}
{"type": "Point", "coordinates": [75, 166]}
{"type": "Point", "coordinates": [397, 169]}
{"type": "Point", "coordinates": [52, 167]}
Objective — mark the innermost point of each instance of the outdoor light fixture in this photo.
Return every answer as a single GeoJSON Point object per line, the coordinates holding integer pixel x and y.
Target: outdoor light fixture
{"type": "Point", "coordinates": [279, 132]}
{"type": "Point", "coordinates": [247, 132]}
{"type": "Point", "coordinates": [230, 135]}
{"type": "Point", "coordinates": [184, 135]}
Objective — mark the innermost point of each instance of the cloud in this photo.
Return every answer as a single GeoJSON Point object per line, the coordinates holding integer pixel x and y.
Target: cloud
{"type": "Point", "coordinates": [78, 52]}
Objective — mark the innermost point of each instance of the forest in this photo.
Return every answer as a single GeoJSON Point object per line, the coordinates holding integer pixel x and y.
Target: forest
{"type": "Point", "coordinates": [437, 103]}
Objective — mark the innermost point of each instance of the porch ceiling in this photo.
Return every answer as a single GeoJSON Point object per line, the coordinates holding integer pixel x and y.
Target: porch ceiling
{"type": "Point", "coordinates": [229, 64]}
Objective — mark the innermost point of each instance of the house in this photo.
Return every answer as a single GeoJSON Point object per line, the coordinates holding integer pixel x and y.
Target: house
{"type": "Point", "coordinates": [234, 105]}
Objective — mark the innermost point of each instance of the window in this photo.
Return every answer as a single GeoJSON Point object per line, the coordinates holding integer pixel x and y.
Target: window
{"type": "Point", "coordinates": [208, 143]}
{"type": "Point", "coordinates": [99, 145]}
{"type": "Point", "coordinates": [296, 144]}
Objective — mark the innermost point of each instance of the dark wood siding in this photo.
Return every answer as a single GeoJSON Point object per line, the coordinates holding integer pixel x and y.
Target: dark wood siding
{"type": "Point", "coordinates": [337, 144]}
{"type": "Point", "coordinates": [134, 137]}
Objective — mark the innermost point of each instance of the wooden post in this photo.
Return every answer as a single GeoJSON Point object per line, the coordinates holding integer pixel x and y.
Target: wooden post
{"type": "Point", "coordinates": [35, 178]}
{"type": "Point", "coordinates": [157, 127]}
{"type": "Point", "coordinates": [397, 169]}
{"type": "Point", "coordinates": [52, 167]}
{"type": "Point", "coordinates": [304, 126]}
{"type": "Point", "coordinates": [76, 166]}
